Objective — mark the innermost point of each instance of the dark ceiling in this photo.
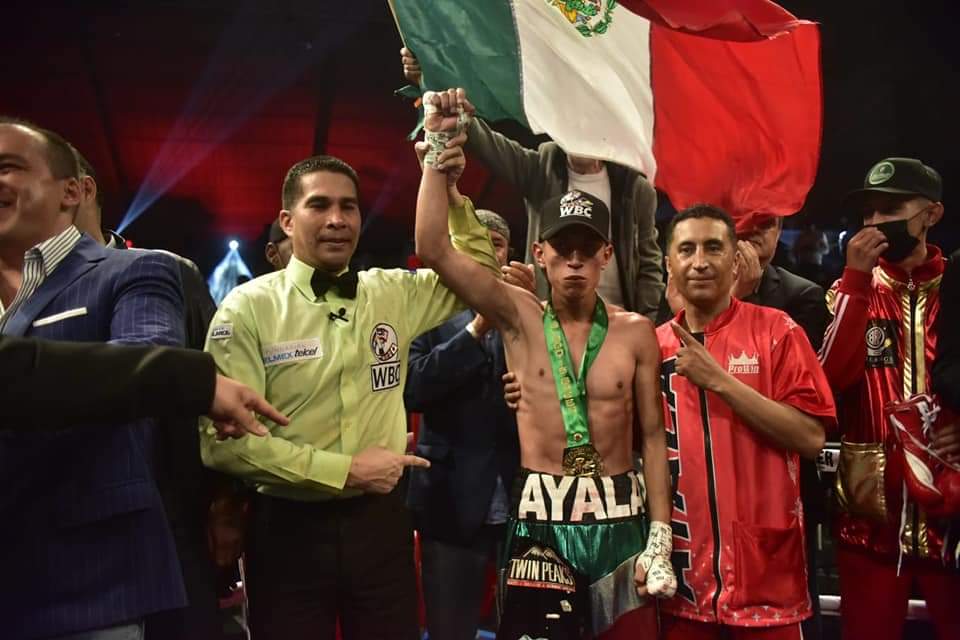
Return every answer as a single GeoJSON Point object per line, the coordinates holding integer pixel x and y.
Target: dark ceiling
{"type": "Point", "coordinates": [192, 111]}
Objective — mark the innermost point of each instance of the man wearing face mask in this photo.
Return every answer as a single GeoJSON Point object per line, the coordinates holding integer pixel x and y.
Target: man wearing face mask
{"type": "Point", "coordinates": [880, 349]}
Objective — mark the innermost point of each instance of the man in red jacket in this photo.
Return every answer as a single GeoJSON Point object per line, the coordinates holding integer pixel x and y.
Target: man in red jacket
{"type": "Point", "coordinates": [880, 349]}
{"type": "Point", "coordinates": [745, 397]}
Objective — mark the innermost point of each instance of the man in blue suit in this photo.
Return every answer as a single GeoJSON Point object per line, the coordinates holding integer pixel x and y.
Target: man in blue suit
{"type": "Point", "coordinates": [188, 489]}
{"type": "Point", "coordinates": [461, 502]}
{"type": "Point", "coordinates": [85, 548]}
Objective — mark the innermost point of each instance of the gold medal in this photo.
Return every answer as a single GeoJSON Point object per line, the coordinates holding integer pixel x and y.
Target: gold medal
{"type": "Point", "coordinates": [583, 461]}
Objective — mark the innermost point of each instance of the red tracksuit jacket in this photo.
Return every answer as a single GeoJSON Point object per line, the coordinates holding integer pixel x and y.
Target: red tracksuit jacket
{"type": "Point", "coordinates": [737, 518]}
{"type": "Point", "coordinates": [880, 348]}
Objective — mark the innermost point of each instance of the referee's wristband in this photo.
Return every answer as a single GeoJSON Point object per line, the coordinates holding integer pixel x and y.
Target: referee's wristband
{"type": "Point", "coordinates": [472, 330]}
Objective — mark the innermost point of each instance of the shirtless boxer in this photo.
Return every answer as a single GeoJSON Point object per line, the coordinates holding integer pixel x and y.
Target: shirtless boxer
{"type": "Point", "coordinates": [578, 510]}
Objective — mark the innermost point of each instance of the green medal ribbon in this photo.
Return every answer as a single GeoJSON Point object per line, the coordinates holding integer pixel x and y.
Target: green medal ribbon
{"type": "Point", "coordinates": [573, 391]}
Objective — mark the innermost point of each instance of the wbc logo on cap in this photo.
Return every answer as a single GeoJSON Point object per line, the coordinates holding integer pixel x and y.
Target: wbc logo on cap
{"type": "Point", "coordinates": [575, 204]}
{"type": "Point", "coordinates": [881, 173]}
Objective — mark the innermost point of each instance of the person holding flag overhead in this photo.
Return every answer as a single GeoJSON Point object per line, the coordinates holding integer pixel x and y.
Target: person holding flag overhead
{"type": "Point", "coordinates": [634, 278]}
{"type": "Point", "coordinates": [579, 539]}
{"type": "Point", "coordinates": [716, 102]}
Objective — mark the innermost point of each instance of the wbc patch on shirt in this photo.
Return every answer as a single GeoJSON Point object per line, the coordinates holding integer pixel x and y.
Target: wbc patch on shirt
{"type": "Point", "coordinates": [292, 351]}
{"type": "Point", "coordinates": [385, 345]}
{"type": "Point", "coordinates": [221, 331]}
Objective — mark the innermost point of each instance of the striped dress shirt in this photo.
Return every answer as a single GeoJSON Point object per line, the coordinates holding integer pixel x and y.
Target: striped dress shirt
{"type": "Point", "coordinates": [38, 263]}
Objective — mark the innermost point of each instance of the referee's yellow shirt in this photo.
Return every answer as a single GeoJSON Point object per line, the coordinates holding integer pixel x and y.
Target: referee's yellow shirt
{"type": "Point", "coordinates": [339, 381]}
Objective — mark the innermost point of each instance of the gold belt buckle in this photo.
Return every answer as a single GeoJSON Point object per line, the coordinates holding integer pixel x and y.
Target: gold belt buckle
{"type": "Point", "coordinates": [583, 461]}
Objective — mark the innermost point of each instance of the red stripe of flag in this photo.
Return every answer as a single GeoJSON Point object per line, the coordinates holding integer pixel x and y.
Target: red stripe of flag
{"type": "Point", "coordinates": [738, 114]}
{"type": "Point", "coordinates": [737, 20]}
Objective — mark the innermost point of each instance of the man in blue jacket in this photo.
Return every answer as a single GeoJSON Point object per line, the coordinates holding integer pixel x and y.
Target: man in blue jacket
{"type": "Point", "coordinates": [87, 552]}
{"type": "Point", "coordinates": [460, 503]}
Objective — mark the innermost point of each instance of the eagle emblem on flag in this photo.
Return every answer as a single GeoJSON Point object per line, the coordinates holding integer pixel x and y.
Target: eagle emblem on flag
{"type": "Point", "coordinates": [588, 16]}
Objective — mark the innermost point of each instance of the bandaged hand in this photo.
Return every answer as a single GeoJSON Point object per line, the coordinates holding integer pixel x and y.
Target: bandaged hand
{"type": "Point", "coordinates": [653, 571]}
{"type": "Point", "coordinates": [450, 159]}
{"type": "Point", "coordinates": [446, 116]}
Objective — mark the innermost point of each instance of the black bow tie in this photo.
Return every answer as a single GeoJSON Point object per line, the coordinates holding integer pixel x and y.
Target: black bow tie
{"type": "Point", "coordinates": [345, 284]}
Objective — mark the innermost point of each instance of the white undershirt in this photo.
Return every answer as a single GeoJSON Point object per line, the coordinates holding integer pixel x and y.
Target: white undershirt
{"type": "Point", "coordinates": [598, 185]}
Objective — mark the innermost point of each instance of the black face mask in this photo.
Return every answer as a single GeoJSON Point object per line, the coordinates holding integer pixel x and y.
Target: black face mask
{"type": "Point", "coordinates": [901, 242]}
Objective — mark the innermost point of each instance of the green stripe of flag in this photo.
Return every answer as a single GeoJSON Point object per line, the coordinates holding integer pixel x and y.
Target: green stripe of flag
{"type": "Point", "coordinates": [470, 44]}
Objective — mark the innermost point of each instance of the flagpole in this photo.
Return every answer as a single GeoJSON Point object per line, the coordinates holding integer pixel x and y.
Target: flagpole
{"type": "Point", "coordinates": [393, 10]}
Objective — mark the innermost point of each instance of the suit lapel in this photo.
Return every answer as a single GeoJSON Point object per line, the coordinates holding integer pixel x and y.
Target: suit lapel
{"type": "Point", "coordinates": [768, 289]}
{"type": "Point", "coordinates": [84, 257]}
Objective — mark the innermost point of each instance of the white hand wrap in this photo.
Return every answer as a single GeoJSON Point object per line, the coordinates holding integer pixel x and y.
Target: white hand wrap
{"type": "Point", "coordinates": [428, 107]}
{"type": "Point", "coordinates": [437, 140]}
{"type": "Point", "coordinates": [655, 561]}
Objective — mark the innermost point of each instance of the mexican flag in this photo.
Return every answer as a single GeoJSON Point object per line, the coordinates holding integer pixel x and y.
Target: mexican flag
{"type": "Point", "coordinates": [715, 101]}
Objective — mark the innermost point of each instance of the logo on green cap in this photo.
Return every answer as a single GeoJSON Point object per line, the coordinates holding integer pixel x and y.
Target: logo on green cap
{"type": "Point", "coordinates": [881, 173]}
